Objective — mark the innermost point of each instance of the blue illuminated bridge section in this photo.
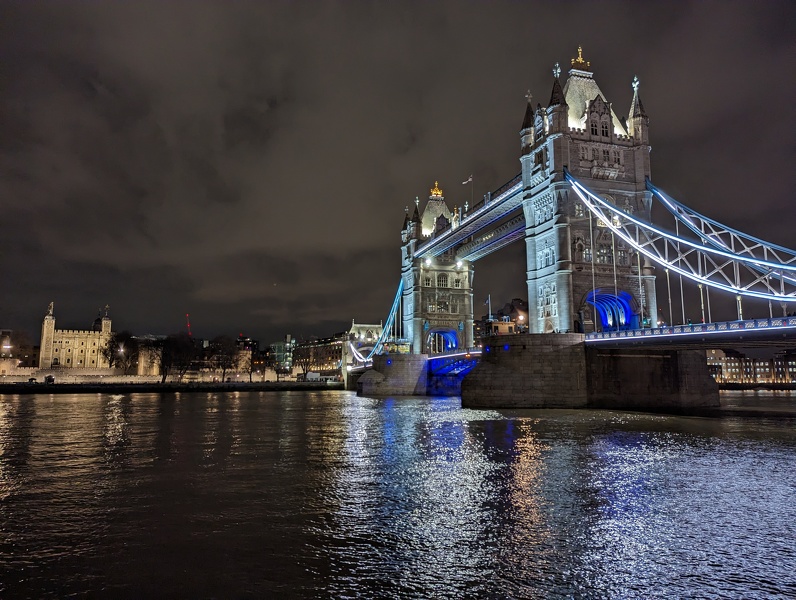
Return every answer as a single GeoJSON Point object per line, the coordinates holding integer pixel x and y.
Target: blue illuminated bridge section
{"type": "Point", "coordinates": [751, 332]}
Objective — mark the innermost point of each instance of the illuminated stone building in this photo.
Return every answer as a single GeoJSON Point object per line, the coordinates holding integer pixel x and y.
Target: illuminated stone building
{"type": "Point", "coordinates": [437, 301]}
{"type": "Point", "coordinates": [578, 273]}
{"type": "Point", "coordinates": [74, 348]}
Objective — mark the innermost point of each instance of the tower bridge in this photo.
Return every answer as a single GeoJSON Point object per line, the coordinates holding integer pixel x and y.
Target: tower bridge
{"type": "Point", "coordinates": [582, 204]}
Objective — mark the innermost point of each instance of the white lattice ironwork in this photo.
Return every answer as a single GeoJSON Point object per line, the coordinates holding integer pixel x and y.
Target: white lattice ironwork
{"type": "Point", "coordinates": [706, 252]}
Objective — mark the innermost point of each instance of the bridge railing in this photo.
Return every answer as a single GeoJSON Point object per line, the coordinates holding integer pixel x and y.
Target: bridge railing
{"type": "Point", "coordinates": [696, 328]}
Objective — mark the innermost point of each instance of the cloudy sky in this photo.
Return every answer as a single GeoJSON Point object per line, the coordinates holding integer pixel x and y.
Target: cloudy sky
{"type": "Point", "coordinates": [249, 162]}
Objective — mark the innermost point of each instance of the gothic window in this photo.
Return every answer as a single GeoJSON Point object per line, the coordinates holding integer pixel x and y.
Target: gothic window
{"type": "Point", "coordinates": [604, 129]}
{"type": "Point", "coordinates": [584, 153]}
{"type": "Point", "coordinates": [606, 156]}
{"type": "Point", "coordinates": [427, 281]}
{"type": "Point", "coordinates": [622, 257]}
{"type": "Point", "coordinates": [604, 254]}
{"type": "Point", "coordinates": [442, 281]}
{"type": "Point", "coordinates": [616, 157]}
{"type": "Point", "coordinates": [442, 306]}
{"type": "Point", "coordinates": [587, 255]}
{"type": "Point", "coordinates": [432, 307]}
{"type": "Point", "coordinates": [457, 283]}
{"type": "Point", "coordinates": [594, 127]}
{"type": "Point", "coordinates": [578, 209]}
{"type": "Point", "coordinates": [594, 153]}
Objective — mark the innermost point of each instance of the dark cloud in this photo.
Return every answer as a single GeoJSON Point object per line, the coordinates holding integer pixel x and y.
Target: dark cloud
{"type": "Point", "coordinates": [250, 162]}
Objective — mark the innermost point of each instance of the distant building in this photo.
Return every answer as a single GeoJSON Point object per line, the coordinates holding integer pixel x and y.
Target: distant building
{"type": "Point", "coordinates": [282, 354]}
{"type": "Point", "coordinates": [329, 356]}
{"type": "Point", "coordinates": [16, 352]}
{"type": "Point", "coordinates": [74, 348]}
{"type": "Point", "coordinates": [730, 366]}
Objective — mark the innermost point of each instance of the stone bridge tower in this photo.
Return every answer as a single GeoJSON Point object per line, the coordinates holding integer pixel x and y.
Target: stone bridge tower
{"type": "Point", "coordinates": [437, 302]}
{"type": "Point", "coordinates": [580, 277]}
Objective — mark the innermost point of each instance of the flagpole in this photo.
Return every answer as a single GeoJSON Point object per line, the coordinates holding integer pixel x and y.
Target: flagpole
{"type": "Point", "coordinates": [470, 181]}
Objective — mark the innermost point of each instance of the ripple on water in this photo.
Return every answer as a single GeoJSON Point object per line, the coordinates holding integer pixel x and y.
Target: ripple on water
{"type": "Point", "coordinates": [327, 494]}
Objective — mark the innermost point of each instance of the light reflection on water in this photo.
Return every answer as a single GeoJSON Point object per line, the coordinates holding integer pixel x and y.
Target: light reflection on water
{"type": "Point", "coordinates": [330, 495]}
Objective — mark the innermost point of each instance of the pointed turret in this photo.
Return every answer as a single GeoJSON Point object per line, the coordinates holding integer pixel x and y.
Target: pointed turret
{"type": "Point", "coordinates": [527, 121]}
{"type": "Point", "coordinates": [557, 95]}
{"type": "Point", "coordinates": [526, 133]}
{"type": "Point", "coordinates": [636, 108]}
{"type": "Point", "coordinates": [557, 121]}
{"type": "Point", "coordinates": [638, 121]}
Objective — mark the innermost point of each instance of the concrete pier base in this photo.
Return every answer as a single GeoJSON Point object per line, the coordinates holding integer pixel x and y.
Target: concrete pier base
{"type": "Point", "coordinates": [559, 371]}
{"type": "Point", "coordinates": [395, 375]}
{"type": "Point", "coordinates": [528, 371]}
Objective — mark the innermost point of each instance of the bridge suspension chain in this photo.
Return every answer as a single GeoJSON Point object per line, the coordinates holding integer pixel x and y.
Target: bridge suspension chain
{"type": "Point", "coordinates": [720, 257]}
{"type": "Point", "coordinates": [726, 238]}
{"type": "Point", "coordinates": [388, 324]}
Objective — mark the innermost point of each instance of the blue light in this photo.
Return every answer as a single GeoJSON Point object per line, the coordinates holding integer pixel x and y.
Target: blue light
{"type": "Point", "coordinates": [506, 347]}
{"type": "Point", "coordinates": [487, 349]}
{"type": "Point", "coordinates": [389, 361]}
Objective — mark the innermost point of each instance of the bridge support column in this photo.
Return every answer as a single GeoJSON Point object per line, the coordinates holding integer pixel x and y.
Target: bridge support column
{"type": "Point", "coordinates": [559, 371]}
{"type": "Point", "coordinates": [395, 375]}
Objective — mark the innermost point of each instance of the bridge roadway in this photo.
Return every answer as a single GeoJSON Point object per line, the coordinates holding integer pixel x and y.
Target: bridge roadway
{"type": "Point", "coordinates": [775, 332]}
{"type": "Point", "coordinates": [778, 332]}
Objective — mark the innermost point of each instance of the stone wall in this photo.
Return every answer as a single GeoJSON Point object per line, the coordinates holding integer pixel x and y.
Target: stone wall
{"type": "Point", "coordinates": [559, 371]}
{"type": "Point", "coordinates": [650, 380]}
{"type": "Point", "coordinates": [395, 375]}
{"type": "Point", "coordinates": [528, 371]}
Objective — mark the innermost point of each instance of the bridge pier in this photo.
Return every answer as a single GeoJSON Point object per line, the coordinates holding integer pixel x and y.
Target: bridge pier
{"type": "Point", "coordinates": [395, 375]}
{"type": "Point", "coordinates": [559, 371]}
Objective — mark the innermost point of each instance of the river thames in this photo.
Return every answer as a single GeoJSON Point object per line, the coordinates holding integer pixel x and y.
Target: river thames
{"type": "Point", "coordinates": [327, 495]}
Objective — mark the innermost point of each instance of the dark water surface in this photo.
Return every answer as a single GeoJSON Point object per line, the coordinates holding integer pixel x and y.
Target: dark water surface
{"type": "Point", "coordinates": [326, 495]}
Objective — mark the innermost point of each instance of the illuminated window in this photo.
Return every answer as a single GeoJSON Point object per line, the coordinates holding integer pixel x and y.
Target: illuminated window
{"type": "Point", "coordinates": [578, 209]}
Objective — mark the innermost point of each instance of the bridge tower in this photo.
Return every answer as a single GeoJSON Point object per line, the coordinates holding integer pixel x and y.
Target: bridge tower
{"type": "Point", "coordinates": [580, 277]}
{"type": "Point", "coordinates": [437, 301]}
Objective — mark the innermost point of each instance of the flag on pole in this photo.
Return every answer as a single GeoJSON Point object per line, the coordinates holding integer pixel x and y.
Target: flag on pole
{"type": "Point", "coordinates": [469, 180]}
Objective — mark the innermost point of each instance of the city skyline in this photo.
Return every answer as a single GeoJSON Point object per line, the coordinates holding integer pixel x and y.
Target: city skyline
{"type": "Point", "coordinates": [250, 165]}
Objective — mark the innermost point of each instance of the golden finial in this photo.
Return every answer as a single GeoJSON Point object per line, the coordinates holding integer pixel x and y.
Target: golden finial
{"type": "Point", "coordinates": [579, 63]}
{"type": "Point", "coordinates": [435, 191]}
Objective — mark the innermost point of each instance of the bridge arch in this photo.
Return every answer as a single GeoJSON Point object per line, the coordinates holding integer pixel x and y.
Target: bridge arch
{"type": "Point", "coordinates": [615, 310]}
{"type": "Point", "coordinates": [441, 339]}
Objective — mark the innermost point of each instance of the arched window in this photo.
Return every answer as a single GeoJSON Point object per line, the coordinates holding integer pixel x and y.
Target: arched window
{"type": "Point", "coordinates": [604, 129]}
{"type": "Point", "coordinates": [442, 280]}
{"type": "Point", "coordinates": [594, 127]}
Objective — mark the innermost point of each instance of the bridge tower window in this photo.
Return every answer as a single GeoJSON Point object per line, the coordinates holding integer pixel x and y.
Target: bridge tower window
{"type": "Point", "coordinates": [604, 130]}
{"type": "Point", "coordinates": [578, 209]}
{"type": "Point", "coordinates": [594, 127]}
{"type": "Point", "coordinates": [442, 280]}
{"type": "Point", "coordinates": [427, 281]}
{"type": "Point", "coordinates": [457, 283]}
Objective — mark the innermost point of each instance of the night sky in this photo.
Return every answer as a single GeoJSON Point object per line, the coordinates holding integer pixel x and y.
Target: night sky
{"type": "Point", "coordinates": [249, 163]}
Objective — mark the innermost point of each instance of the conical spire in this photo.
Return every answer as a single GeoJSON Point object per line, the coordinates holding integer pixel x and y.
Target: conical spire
{"type": "Point", "coordinates": [636, 108]}
{"type": "Point", "coordinates": [527, 122]}
{"type": "Point", "coordinates": [557, 95]}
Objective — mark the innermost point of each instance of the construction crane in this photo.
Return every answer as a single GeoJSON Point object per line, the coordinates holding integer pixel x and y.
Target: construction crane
{"type": "Point", "coordinates": [188, 321]}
